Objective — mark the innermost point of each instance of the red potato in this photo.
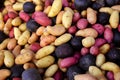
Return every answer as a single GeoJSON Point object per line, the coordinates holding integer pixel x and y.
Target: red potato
{"type": "Point", "coordinates": [72, 30]}
{"type": "Point", "coordinates": [41, 18]}
{"type": "Point", "coordinates": [58, 75]}
{"type": "Point", "coordinates": [94, 50]}
{"type": "Point", "coordinates": [77, 55]}
{"type": "Point", "coordinates": [108, 35]}
{"type": "Point", "coordinates": [76, 17]}
{"type": "Point", "coordinates": [16, 78]}
{"type": "Point", "coordinates": [11, 33]}
{"type": "Point", "coordinates": [99, 28]}
{"type": "Point", "coordinates": [48, 3]}
{"type": "Point", "coordinates": [99, 42]}
{"type": "Point", "coordinates": [12, 14]}
{"type": "Point", "coordinates": [84, 51]}
{"type": "Point", "coordinates": [82, 23]}
{"type": "Point", "coordinates": [24, 16]}
{"type": "Point", "coordinates": [6, 17]}
{"type": "Point", "coordinates": [65, 3]}
{"type": "Point", "coordinates": [35, 47]}
{"type": "Point", "coordinates": [67, 62]}
{"type": "Point", "coordinates": [110, 75]}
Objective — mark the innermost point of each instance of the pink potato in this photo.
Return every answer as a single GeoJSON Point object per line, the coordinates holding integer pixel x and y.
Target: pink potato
{"type": "Point", "coordinates": [82, 23]}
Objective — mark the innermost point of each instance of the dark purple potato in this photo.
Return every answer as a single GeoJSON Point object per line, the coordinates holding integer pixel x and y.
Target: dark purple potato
{"type": "Point", "coordinates": [32, 25]}
{"type": "Point", "coordinates": [72, 71]}
{"type": "Point", "coordinates": [29, 7]}
{"type": "Point", "coordinates": [76, 42]}
{"type": "Point", "coordinates": [31, 74]}
{"type": "Point", "coordinates": [103, 18]}
{"type": "Point", "coordinates": [17, 70]}
{"type": "Point", "coordinates": [82, 4]}
{"type": "Point", "coordinates": [3, 36]}
{"type": "Point", "coordinates": [64, 50]}
{"type": "Point", "coordinates": [98, 4]}
{"type": "Point", "coordinates": [113, 55]}
{"type": "Point", "coordinates": [112, 2]}
{"type": "Point", "coordinates": [116, 38]}
{"type": "Point", "coordinates": [86, 61]}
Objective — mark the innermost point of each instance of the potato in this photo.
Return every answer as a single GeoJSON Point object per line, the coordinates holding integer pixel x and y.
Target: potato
{"type": "Point", "coordinates": [63, 39]}
{"type": "Point", "coordinates": [88, 32]}
{"type": "Point", "coordinates": [3, 45]}
{"type": "Point", "coordinates": [1, 58]}
{"type": "Point", "coordinates": [12, 43]}
{"type": "Point", "coordinates": [18, 6]}
{"type": "Point", "coordinates": [67, 19]}
{"type": "Point", "coordinates": [17, 33]}
{"type": "Point", "coordinates": [51, 70]}
{"type": "Point", "coordinates": [44, 51]}
{"type": "Point", "coordinates": [16, 21]}
{"type": "Point", "coordinates": [55, 9]}
{"type": "Point", "coordinates": [9, 59]}
{"type": "Point", "coordinates": [25, 56]}
{"type": "Point", "coordinates": [100, 59]}
{"type": "Point", "coordinates": [59, 17]}
{"type": "Point", "coordinates": [4, 74]}
{"type": "Point", "coordinates": [110, 66]}
{"type": "Point", "coordinates": [114, 19]}
{"type": "Point", "coordinates": [45, 62]}
{"type": "Point", "coordinates": [106, 10]}
{"type": "Point", "coordinates": [104, 48]}
{"type": "Point", "coordinates": [116, 7]}
{"type": "Point", "coordinates": [24, 38]}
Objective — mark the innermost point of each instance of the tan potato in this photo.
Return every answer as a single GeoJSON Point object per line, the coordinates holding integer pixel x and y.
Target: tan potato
{"type": "Point", "coordinates": [16, 50]}
{"type": "Point", "coordinates": [88, 42]}
{"type": "Point", "coordinates": [45, 51]}
{"type": "Point", "coordinates": [104, 48]}
{"type": "Point", "coordinates": [45, 62]}
{"type": "Point", "coordinates": [25, 56]}
{"type": "Point", "coordinates": [91, 16]}
{"type": "Point", "coordinates": [49, 78]}
{"type": "Point", "coordinates": [116, 7]}
{"type": "Point", "coordinates": [37, 2]}
{"type": "Point", "coordinates": [84, 13]}
{"type": "Point", "coordinates": [67, 19]}
{"type": "Point", "coordinates": [8, 26]}
{"type": "Point", "coordinates": [88, 32]}
{"type": "Point", "coordinates": [59, 17]}
{"type": "Point", "coordinates": [1, 16]}
{"type": "Point", "coordinates": [12, 43]}
{"type": "Point", "coordinates": [114, 19]}
{"type": "Point", "coordinates": [24, 38]}
{"type": "Point", "coordinates": [106, 10]}
{"type": "Point", "coordinates": [56, 30]}
{"type": "Point", "coordinates": [17, 33]}
{"type": "Point", "coordinates": [28, 65]}
{"type": "Point", "coordinates": [63, 39]}
{"type": "Point", "coordinates": [38, 8]}
{"type": "Point", "coordinates": [7, 2]}
{"type": "Point", "coordinates": [55, 9]}
{"type": "Point", "coordinates": [100, 59]}
{"type": "Point", "coordinates": [40, 30]}
{"type": "Point", "coordinates": [96, 72]}
{"type": "Point", "coordinates": [68, 8]}
{"type": "Point", "coordinates": [110, 66]}
{"type": "Point", "coordinates": [9, 59]}
{"type": "Point", "coordinates": [51, 70]}
{"type": "Point", "coordinates": [117, 76]}
{"type": "Point", "coordinates": [1, 58]}
{"type": "Point", "coordinates": [2, 24]}
{"type": "Point", "coordinates": [84, 77]}
{"type": "Point", "coordinates": [4, 74]}
{"type": "Point", "coordinates": [46, 40]}
{"type": "Point", "coordinates": [47, 10]}
{"type": "Point", "coordinates": [33, 38]}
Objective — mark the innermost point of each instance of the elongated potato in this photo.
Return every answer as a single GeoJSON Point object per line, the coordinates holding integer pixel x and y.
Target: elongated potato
{"type": "Point", "coordinates": [114, 19]}
{"type": "Point", "coordinates": [55, 9]}
{"type": "Point", "coordinates": [9, 59]}
{"type": "Point", "coordinates": [63, 39]}
{"type": "Point", "coordinates": [45, 62]}
{"type": "Point", "coordinates": [106, 10]}
{"type": "Point", "coordinates": [17, 33]}
{"type": "Point", "coordinates": [4, 73]}
{"type": "Point", "coordinates": [1, 58]}
{"type": "Point", "coordinates": [67, 19]}
{"type": "Point", "coordinates": [59, 17]}
{"type": "Point", "coordinates": [44, 51]}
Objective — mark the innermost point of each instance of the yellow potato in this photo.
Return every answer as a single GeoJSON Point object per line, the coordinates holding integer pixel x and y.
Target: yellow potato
{"type": "Point", "coordinates": [110, 66]}
{"type": "Point", "coordinates": [116, 7]}
{"type": "Point", "coordinates": [45, 62]}
{"type": "Point", "coordinates": [22, 27]}
{"type": "Point", "coordinates": [67, 19]}
{"type": "Point", "coordinates": [1, 16]}
{"type": "Point", "coordinates": [16, 21]}
{"type": "Point", "coordinates": [104, 48]}
{"type": "Point", "coordinates": [33, 38]}
{"type": "Point", "coordinates": [100, 59]}
{"type": "Point", "coordinates": [106, 10]}
{"type": "Point", "coordinates": [63, 39]}
{"type": "Point", "coordinates": [17, 33]}
{"type": "Point", "coordinates": [2, 24]}
{"type": "Point", "coordinates": [8, 26]}
{"type": "Point", "coordinates": [24, 38]}
{"type": "Point", "coordinates": [114, 19]}
{"type": "Point", "coordinates": [9, 59]}
{"type": "Point", "coordinates": [18, 6]}
{"type": "Point", "coordinates": [25, 56]}
{"type": "Point", "coordinates": [55, 9]}
{"type": "Point", "coordinates": [44, 51]}
{"type": "Point", "coordinates": [3, 45]}
{"type": "Point", "coordinates": [51, 70]}
{"type": "Point", "coordinates": [59, 17]}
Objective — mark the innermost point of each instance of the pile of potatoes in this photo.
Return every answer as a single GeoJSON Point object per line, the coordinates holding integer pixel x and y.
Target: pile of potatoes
{"type": "Point", "coordinates": [37, 49]}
